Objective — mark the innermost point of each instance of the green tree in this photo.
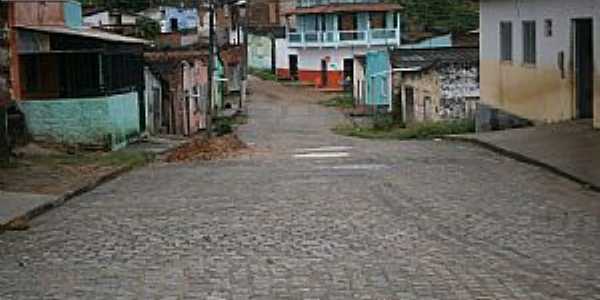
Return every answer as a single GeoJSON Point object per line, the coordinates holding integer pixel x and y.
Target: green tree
{"type": "Point", "coordinates": [147, 28]}
{"type": "Point", "coordinates": [451, 15]}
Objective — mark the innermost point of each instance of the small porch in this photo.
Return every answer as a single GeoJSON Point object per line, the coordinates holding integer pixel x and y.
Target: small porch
{"type": "Point", "coordinates": [79, 87]}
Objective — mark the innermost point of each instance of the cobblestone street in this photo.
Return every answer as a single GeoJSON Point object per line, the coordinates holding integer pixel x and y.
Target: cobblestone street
{"type": "Point", "coordinates": [312, 215]}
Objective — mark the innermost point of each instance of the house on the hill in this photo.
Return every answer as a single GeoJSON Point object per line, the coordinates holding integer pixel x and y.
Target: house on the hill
{"type": "Point", "coordinates": [112, 20]}
{"type": "Point", "coordinates": [328, 35]}
{"type": "Point", "coordinates": [436, 84]}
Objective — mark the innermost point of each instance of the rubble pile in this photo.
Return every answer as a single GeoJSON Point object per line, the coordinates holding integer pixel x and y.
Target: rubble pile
{"type": "Point", "coordinates": [208, 149]}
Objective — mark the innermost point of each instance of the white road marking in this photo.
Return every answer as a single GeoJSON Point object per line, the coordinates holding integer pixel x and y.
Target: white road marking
{"type": "Point", "coordinates": [357, 167]}
{"type": "Point", "coordinates": [326, 149]}
{"type": "Point", "coordinates": [323, 155]}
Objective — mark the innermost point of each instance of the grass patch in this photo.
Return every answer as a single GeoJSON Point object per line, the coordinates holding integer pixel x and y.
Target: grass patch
{"type": "Point", "coordinates": [121, 158]}
{"type": "Point", "coordinates": [417, 131]}
{"type": "Point", "coordinates": [124, 158]}
{"type": "Point", "coordinates": [263, 74]}
{"type": "Point", "coordinates": [343, 101]}
{"type": "Point", "coordinates": [226, 125]}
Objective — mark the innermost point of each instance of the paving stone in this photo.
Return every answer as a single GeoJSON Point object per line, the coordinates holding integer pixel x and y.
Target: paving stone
{"type": "Point", "coordinates": [441, 221]}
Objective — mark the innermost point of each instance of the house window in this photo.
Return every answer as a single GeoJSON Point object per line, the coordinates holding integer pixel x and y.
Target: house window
{"type": "Point", "coordinates": [548, 27]}
{"type": "Point", "coordinates": [506, 41]}
{"type": "Point", "coordinates": [529, 47]}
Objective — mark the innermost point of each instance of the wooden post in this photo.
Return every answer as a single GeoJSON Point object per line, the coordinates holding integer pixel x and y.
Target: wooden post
{"type": "Point", "coordinates": [244, 87]}
{"type": "Point", "coordinates": [211, 66]}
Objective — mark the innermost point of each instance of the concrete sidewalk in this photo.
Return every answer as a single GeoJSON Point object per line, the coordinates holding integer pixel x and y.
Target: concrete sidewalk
{"type": "Point", "coordinates": [570, 149]}
{"type": "Point", "coordinates": [25, 206]}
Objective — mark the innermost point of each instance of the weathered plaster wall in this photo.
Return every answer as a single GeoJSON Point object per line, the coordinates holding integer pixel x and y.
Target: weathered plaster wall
{"type": "Point", "coordinates": [358, 87]}
{"type": "Point", "coordinates": [36, 13]}
{"type": "Point", "coordinates": [106, 121]}
{"type": "Point", "coordinates": [259, 56]}
{"type": "Point", "coordinates": [539, 93]}
{"type": "Point", "coordinates": [426, 96]}
{"type": "Point", "coordinates": [153, 99]}
{"type": "Point", "coordinates": [459, 85]}
{"type": "Point", "coordinates": [446, 93]}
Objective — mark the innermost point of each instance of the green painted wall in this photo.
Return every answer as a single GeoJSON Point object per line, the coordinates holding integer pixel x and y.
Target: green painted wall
{"type": "Point", "coordinates": [378, 73]}
{"type": "Point", "coordinates": [106, 121]}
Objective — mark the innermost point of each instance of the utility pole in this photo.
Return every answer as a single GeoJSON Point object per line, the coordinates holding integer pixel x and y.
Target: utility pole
{"type": "Point", "coordinates": [244, 87]}
{"type": "Point", "coordinates": [4, 85]}
{"type": "Point", "coordinates": [211, 66]}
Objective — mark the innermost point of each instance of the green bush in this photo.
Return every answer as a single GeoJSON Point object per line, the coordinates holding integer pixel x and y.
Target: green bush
{"type": "Point", "coordinates": [385, 122]}
{"type": "Point", "coordinates": [263, 74]}
{"type": "Point", "coordinates": [426, 130]}
{"type": "Point", "coordinates": [343, 101]}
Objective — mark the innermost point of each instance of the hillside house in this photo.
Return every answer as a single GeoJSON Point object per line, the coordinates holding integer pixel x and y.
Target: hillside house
{"type": "Point", "coordinates": [179, 26]}
{"type": "Point", "coordinates": [540, 62]}
{"type": "Point", "coordinates": [112, 20]}
{"type": "Point", "coordinates": [328, 35]}
{"type": "Point", "coordinates": [177, 90]}
{"type": "Point", "coordinates": [436, 84]}
{"type": "Point", "coordinates": [74, 85]}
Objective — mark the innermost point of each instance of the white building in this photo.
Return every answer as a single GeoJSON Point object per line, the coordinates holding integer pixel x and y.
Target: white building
{"type": "Point", "coordinates": [173, 19]}
{"type": "Point", "coordinates": [108, 18]}
{"type": "Point", "coordinates": [540, 61]}
{"type": "Point", "coordinates": [328, 35]}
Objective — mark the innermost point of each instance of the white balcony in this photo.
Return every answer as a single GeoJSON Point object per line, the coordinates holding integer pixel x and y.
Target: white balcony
{"type": "Point", "coordinates": [373, 37]}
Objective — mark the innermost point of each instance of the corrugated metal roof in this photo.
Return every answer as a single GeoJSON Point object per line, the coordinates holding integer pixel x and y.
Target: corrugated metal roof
{"type": "Point", "coordinates": [86, 32]}
{"type": "Point", "coordinates": [425, 58]}
{"type": "Point", "coordinates": [334, 8]}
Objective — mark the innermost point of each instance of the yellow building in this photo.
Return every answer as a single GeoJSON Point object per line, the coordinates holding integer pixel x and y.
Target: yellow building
{"type": "Point", "coordinates": [540, 62]}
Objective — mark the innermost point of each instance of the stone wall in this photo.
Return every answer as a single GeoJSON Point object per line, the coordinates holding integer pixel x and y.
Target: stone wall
{"type": "Point", "coordinates": [107, 122]}
{"type": "Point", "coordinates": [448, 92]}
{"type": "Point", "coordinates": [260, 54]}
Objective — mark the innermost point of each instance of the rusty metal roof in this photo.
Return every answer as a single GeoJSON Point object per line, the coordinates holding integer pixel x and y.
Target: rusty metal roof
{"type": "Point", "coordinates": [86, 32]}
{"type": "Point", "coordinates": [335, 8]}
{"type": "Point", "coordinates": [425, 58]}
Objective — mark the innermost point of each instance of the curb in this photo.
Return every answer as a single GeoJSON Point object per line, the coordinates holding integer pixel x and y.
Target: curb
{"type": "Point", "coordinates": [61, 200]}
{"type": "Point", "coordinates": [524, 159]}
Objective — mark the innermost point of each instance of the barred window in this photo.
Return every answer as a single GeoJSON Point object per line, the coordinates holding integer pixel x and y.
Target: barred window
{"type": "Point", "coordinates": [506, 41]}
{"type": "Point", "coordinates": [529, 46]}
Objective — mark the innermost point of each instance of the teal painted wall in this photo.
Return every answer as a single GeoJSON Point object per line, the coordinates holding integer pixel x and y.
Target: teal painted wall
{"type": "Point", "coordinates": [219, 73]}
{"type": "Point", "coordinates": [73, 17]}
{"type": "Point", "coordinates": [260, 52]}
{"type": "Point", "coordinates": [106, 121]}
{"type": "Point", "coordinates": [435, 42]}
{"type": "Point", "coordinates": [378, 75]}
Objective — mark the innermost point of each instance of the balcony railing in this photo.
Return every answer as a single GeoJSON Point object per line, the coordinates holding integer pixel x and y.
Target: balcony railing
{"type": "Point", "coordinates": [311, 3]}
{"type": "Point", "coordinates": [373, 37]}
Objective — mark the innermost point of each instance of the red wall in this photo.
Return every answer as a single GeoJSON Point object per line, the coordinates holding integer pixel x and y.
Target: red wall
{"type": "Point", "coordinates": [334, 78]}
{"type": "Point", "coordinates": [283, 74]}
